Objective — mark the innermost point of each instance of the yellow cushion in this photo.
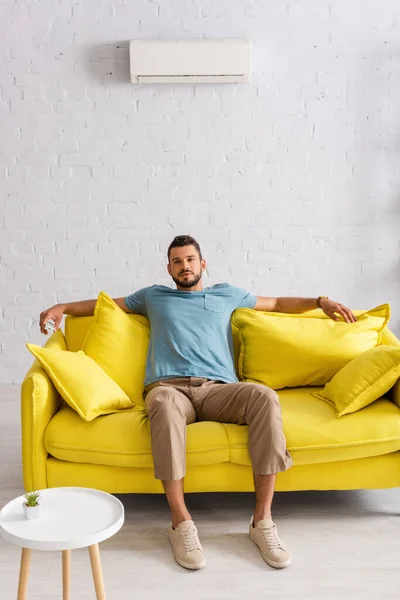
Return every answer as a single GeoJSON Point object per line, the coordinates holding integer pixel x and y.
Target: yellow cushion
{"type": "Point", "coordinates": [119, 345]}
{"type": "Point", "coordinates": [314, 434]}
{"type": "Point", "coordinates": [123, 440]}
{"type": "Point", "coordinates": [363, 380]}
{"type": "Point", "coordinates": [286, 350]}
{"type": "Point", "coordinates": [76, 330]}
{"type": "Point", "coordinates": [81, 382]}
{"type": "Point", "coordinates": [56, 341]}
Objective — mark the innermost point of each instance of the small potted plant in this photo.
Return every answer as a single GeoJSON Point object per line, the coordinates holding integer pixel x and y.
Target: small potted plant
{"type": "Point", "coordinates": [31, 505]}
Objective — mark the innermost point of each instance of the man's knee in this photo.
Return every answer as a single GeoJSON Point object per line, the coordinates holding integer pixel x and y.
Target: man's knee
{"type": "Point", "coordinates": [162, 400]}
{"type": "Point", "coordinates": [263, 395]}
{"type": "Point", "coordinates": [263, 398]}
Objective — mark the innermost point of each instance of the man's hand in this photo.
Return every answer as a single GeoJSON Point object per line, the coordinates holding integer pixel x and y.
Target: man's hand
{"type": "Point", "coordinates": [56, 313]}
{"type": "Point", "coordinates": [330, 308]}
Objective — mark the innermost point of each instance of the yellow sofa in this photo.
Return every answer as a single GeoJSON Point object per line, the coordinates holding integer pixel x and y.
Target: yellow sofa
{"type": "Point", "coordinates": [113, 452]}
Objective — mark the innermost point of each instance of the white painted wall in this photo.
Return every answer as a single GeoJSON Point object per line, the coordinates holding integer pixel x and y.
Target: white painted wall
{"type": "Point", "coordinates": [290, 184]}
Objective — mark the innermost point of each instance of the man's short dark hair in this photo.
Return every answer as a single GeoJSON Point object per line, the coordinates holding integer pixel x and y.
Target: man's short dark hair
{"type": "Point", "coordinates": [184, 240]}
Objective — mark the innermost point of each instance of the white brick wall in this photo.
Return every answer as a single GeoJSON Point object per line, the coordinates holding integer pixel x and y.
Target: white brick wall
{"type": "Point", "coordinates": [290, 184]}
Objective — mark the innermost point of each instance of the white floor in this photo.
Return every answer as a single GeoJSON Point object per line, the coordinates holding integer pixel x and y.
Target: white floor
{"type": "Point", "coordinates": [345, 545]}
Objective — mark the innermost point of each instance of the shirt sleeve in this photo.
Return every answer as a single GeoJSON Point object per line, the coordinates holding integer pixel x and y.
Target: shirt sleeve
{"type": "Point", "coordinates": [243, 298]}
{"type": "Point", "coordinates": [137, 302]}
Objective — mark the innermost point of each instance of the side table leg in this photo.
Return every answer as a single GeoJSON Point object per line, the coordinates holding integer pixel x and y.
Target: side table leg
{"type": "Point", "coordinates": [24, 573]}
{"type": "Point", "coordinates": [66, 574]}
{"type": "Point", "coordinates": [94, 553]}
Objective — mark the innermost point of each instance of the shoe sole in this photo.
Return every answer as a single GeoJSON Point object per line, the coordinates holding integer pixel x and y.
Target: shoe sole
{"type": "Point", "coordinates": [184, 564]}
{"type": "Point", "coordinates": [189, 566]}
{"type": "Point", "coordinates": [275, 565]}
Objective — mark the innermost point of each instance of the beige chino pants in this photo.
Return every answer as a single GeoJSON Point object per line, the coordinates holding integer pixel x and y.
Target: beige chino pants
{"type": "Point", "coordinates": [174, 403]}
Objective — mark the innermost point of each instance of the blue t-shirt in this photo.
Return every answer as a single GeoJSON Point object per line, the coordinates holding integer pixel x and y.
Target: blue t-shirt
{"type": "Point", "coordinates": [191, 332]}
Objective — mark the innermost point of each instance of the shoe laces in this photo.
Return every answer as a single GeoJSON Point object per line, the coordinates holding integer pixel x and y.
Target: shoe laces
{"type": "Point", "coordinates": [190, 539]}
{"type": "Point", "coordinates": [272, 538]}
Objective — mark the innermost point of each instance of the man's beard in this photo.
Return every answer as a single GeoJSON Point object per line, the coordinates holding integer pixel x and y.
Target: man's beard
{"type": "Point", "coordinates": [188, 284]}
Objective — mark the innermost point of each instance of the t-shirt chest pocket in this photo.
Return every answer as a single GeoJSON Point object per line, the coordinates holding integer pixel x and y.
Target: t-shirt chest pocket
{"type": "Point", "coordinates": [214, 304]}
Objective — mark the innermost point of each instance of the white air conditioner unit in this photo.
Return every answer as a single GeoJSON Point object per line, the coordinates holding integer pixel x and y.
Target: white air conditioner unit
{"type": "Point", "coordinates": [190, 61]}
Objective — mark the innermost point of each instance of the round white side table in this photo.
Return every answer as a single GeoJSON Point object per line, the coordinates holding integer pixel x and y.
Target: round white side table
{"type": "Point", "coordinates": [70, 518]}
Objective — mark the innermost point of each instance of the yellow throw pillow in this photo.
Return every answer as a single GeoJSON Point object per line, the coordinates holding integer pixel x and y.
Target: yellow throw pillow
{"type": "Point", "coordinates": [363, 380]}
{"type": "Point", "coordinates": [56, 341]}
{"type": "Point", "coordinates": [118, 342]}
{"type": "Point", "coordinates": [286, 350]}
{"type": "Point", "coordinates": [81, 382]}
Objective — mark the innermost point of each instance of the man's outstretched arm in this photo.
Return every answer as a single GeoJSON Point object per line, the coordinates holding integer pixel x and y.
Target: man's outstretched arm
{"type": "Point", "coordinates": [301, 305]}
{"type": "Point", "coordinates": [84, 308]}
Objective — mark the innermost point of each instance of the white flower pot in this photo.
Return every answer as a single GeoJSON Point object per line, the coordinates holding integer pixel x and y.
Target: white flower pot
{"type": "Point", "coordinates": [31, 512]}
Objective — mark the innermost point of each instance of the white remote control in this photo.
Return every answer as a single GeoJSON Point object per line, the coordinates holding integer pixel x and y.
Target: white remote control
{"type": "Point", "coordinates": [50, 326]}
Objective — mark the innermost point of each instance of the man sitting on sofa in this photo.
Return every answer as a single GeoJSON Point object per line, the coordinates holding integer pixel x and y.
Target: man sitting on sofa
{"type": "Point", "coordinates": [190, 376]}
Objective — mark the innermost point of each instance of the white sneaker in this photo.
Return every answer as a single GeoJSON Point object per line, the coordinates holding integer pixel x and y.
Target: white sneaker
{"type": "Point", "coordinates": [265, 536]}
{"type": "Point", "coordinates": [186, 545]}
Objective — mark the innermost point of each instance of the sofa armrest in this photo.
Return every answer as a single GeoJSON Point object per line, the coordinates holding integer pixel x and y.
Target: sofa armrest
{"type": "Point", "coordinates": [389, 338]}
{"type": "Point", "coordinates": [395, 393]}
{"type": "Point", "coordinates": [39, 403]}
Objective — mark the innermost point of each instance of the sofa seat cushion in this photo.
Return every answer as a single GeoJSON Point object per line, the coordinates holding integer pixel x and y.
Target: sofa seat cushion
{"type": "Point", "coordinates": [124, 440]}
{"type": "Point", "coordinates": [314, 434]}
